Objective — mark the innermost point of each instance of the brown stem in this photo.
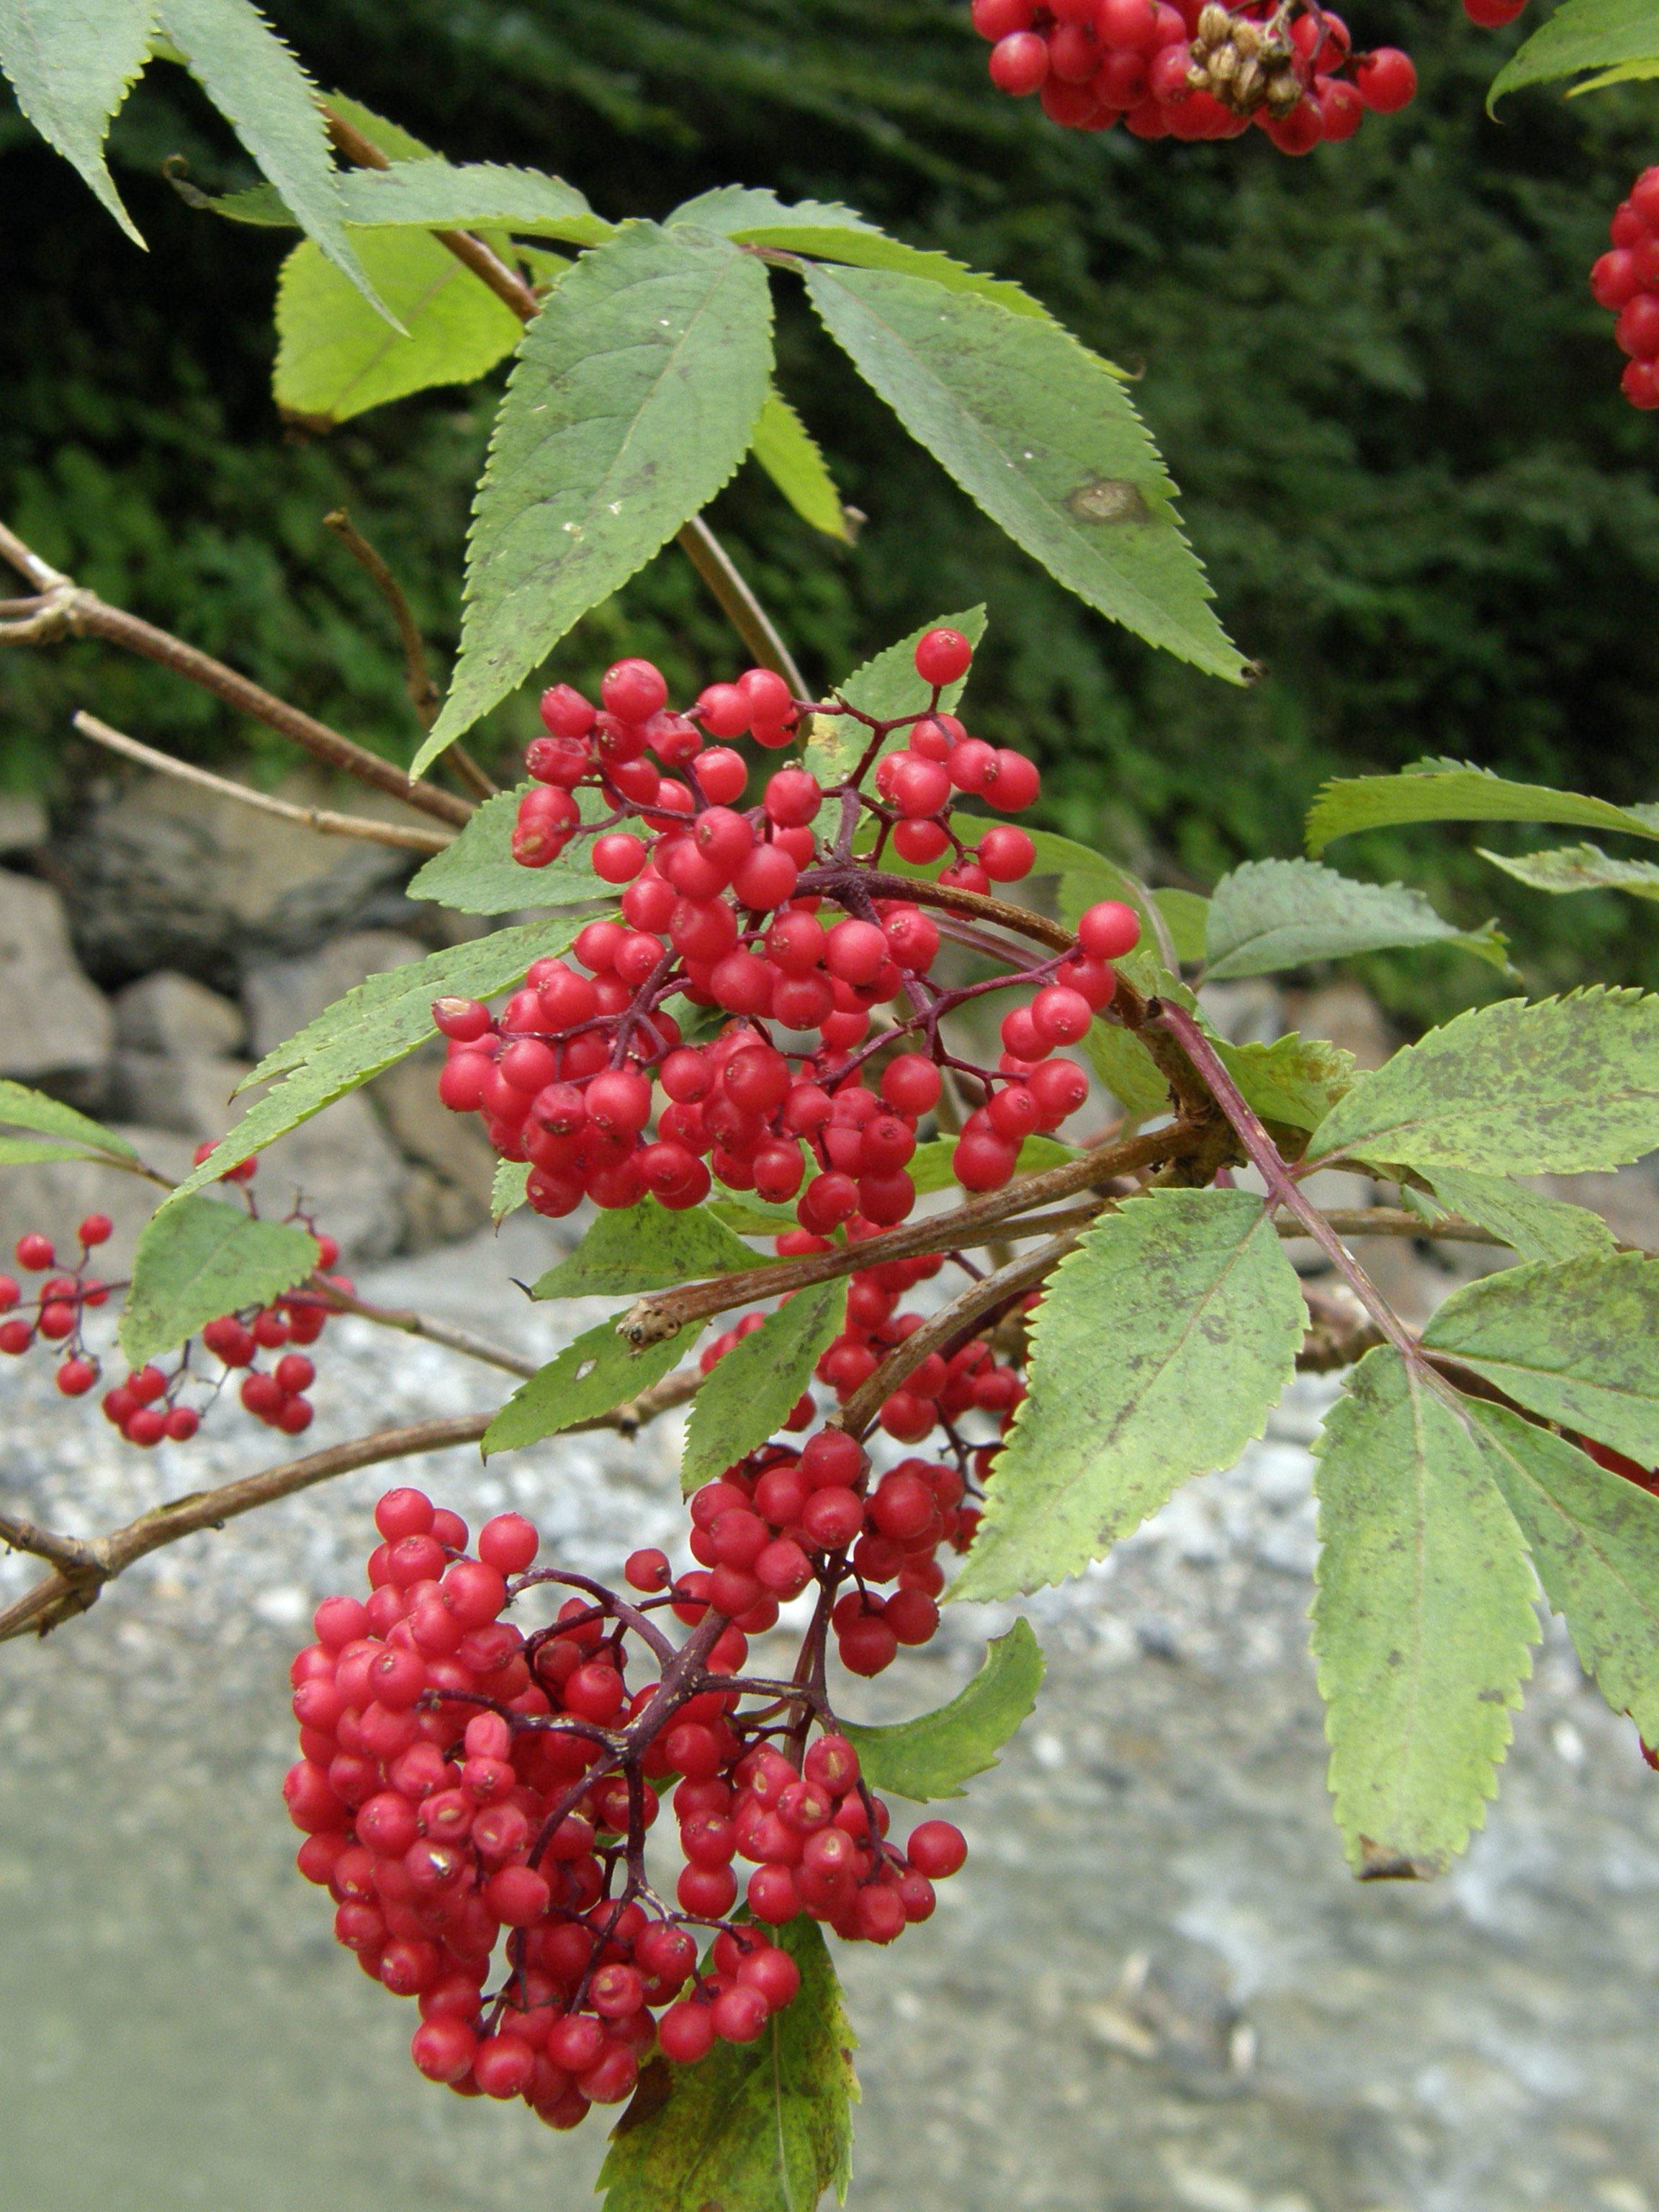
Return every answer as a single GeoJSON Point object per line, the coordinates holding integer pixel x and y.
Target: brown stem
{"type": "Point", "coordinates": [866, 1401]}
{"type": "Point", "coordinates": [665, 1313]}
{"type": "Point", "coordinates": [70, 611]}
{"type": "Point", "coordinates": [696, 540]}
{"type": "Point", "coordinates": [407, 839]}
{"type": "Point", "coordinates": [423, 692]}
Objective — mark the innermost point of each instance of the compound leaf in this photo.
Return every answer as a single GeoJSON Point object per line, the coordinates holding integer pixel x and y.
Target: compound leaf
{"type": "Point", "coordinates": [337, 358]}
{"type": "Point", "coordinates": [1423, 1619]}
{"type": "Point", "coordinates": [591, 1377]}
{"type": "Point", "coordinates": [1042, 435]}
{"type": "Point", "coordinates": [1577, 868]}
{"type": "Point", "coordinates": [755, 2127]}
{"type": "Point", "coordinates": [256, 84]}
{"type": "Point", "coordinates": [1565, 1085]}
{"type": "Point", "coordinates": [1536, 1228]}
{"type": "Point", "coordinates": [1270, 914]}
{"type": "Point", "coordinates": [478, 873]}
{"type": "Point", "coordinates": [1456, 791]}
{"type": "Point", "coordinates": [1160, 1347]}
{"type": "Point", "coordinates": [23, 1109]}
{"type": "Point", "coordinates": [199, 1258]}
{"type": "Point", "coordinates": [379, 1022]}
{"type": "Point", "coordinates": [643, 1248]}
{"type": "Point", "coordinates": [885, 688]}
{"type": "Point", "coordinates": [753, 1389]}
{"type": "Point", "coordinates": [1576, 1341]}
{"type": "Point", "coordinates": [789, 454]}
{"type": "Point", "coordinates": [934, 1754]}
{"type": "Point", "coordinates": [633, 398]}
{"type": "Point", "coordinates": [1594, 1542]}
{"type": "Point", "coordinates": [71, 63]}
{"type": "Point", "coordinates": [826, 231]}
{"type": "Point", "coordinates": [1582, 34]}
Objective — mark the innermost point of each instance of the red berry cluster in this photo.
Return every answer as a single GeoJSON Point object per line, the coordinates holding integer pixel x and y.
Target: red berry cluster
{"type": "Point", "coordinates": [728, 908]}
{"type": "Point", "coordinates": [464, 1785]}
{"type": "Point", "coordinates": [1195, 70]}
{"type": "Point", "coordinates": [1627, 281]}
{"type": "Point", "coordinates": [55, 1314]}
{"type": "Point", "coordinates": [149, 1404]}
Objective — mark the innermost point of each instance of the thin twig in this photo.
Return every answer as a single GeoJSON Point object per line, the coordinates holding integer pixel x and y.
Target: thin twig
{"type": "Point", "coordinates": [664, 1313]}
{"type": "Point", "coordinates": [991, 1290]}
{"type": "Point", "coordinates": [68, 611]}
{"type": "Point", "coordinates": [696, 540]}
{"type": "Point", "coordinates": [408, 839]}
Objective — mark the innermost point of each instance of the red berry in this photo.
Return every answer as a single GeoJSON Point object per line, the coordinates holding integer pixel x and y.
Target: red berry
{"type": "Point", "coordinates": [96, 1228]}
{"type": "Point", "coordinates": [1019, 65]}
{"type": "Point", "coordinates": [936, 1849]}
{"type": "Point", "coordinates": [1386, 80]}
{"type": "Point", "coordinates": [35, 1252]}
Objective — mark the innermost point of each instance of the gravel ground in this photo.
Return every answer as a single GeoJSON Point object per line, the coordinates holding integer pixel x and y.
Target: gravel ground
{"type": "Point", "coordinates": [1154, 1988]}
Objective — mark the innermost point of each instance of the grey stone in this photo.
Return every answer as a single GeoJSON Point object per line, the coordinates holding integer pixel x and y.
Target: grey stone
{"type": "Point", "coordinates": [168, 1013]}
{"type": "Point", "coordinates": [22, 825]}
{"type": "Point", "coordinates": [1348, 1015]}
{"type": "Point", "coordinates": [54, 1024]}
{"type": "Point", "coordinates": [168, 875]}
{"type": "Point", "coordinates": [343, 1171]}
{"type": "Point", "coordinates": [191, 1094]}
{"type": "Point", "coordinates": [282, 996]}
{"type": "Point", "coordinates": [452, 1145]}
{"type": "Point", "coordinates": [1248, 1013]}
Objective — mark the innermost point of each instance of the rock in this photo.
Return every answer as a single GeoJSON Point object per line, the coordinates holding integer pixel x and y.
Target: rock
{"type": "Point", "coordinates": [168, 875]}
{"type": "Point", "coordinates": [167, 1013]}
{"type": "Point", "coordinates": [282, 996]}
{"type": "Point", "coordinates": [1348, 1016]}
{"type": "Point", "coordinates": [54, 1026]}
{"type": "Point", "coordinates": [452, 1145]}
{"type": "Point", "coordinates": [191, 1094]}
{"type": "Point", "coordinates": [22, 824]}
{"type": "Point", "coordinates": [1248, 1013]}
{"type": "Point", "coordinates": [435, 1211]}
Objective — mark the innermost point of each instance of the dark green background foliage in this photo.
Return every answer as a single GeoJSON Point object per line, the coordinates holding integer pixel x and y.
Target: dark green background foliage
{"type": "Point", "coordinates": [1377, 376]}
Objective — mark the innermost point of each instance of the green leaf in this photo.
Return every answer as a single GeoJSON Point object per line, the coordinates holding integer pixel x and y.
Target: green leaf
{"type": "Point", "coordinates": [202, 1257]}
{"type": "Point", "coordinates": [1455, 791]}
{"type": "Point", "coordinates": [271, 104]}
{"type": "Point", "coordinates": [1295, 1080]}
{"type": "Point", "coordinates": [932, 1165]}
{"type": "Point", "coordinates": [1577, 868]}
{"type": "Point", "coordinates": [752, 1390]}
{"type": "Point", "coordinates": [1537, 1228]}
{"type": "Point", "coordinates": [789, 454]}
{"type": "Point", "coordinates": [1423, 1617]}
{"type": "Point", "coordinates": [71, 64]}
{"type": "Point", "coordinates": [478, 874]}
{"type": "Point", "coordinates": [506, 1193]}
{"type": "Point", "coordinates": [1270, 914]}
{"type": "Point", "coordinates": [1126, 1068]}
{"type": "Point", "coordinates": [429, 193]}
{"type": "Point", "coordinates": [368, 1029]}
{"type": "Point", "coordinates": [1626, 73]}
{"type": "Point", "coordinates": [827, 231]}
{"type": "Point", "coordinates": [1594, 1542]}
{"type": "Point", "coordinates": [599, 1371]}
{"type": "Point", "coordinates": [337, 358]}
{"type": "Point", "coordinates": [885, 688]}
{"type": "Point", "coordinates": [1187, 917]}
{"type": "Point", "coordinates": [1576, 1341]}
{"type": "Point", "coordinates": [1160, 1347]}
{"type": "Point", "coordinates": [635, 397]}
{"type": "Point", "coordinates": [643, 1248]}
{"type": "Point", "coordinates": [1582, 34]}
{"type": "Point", "coordinates": [755, 2127]}
{"type": "Point", "coordinates": [23, 1109]}
{"type": "Point", "coordinates": [934, 1754]}
{"type": "Point", "coordinates": [748, 1215]}
{"type": "Point", "coordinates": [1566, 1085]}
{"type": "Point", "coordinates": [1042, 435]}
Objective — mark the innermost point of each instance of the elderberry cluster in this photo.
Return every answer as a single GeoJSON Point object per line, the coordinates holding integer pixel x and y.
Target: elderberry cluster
{"type": "Point", "coordinates": [1196, 71]}
{"type": "Point", "coordinates": [152, 1403]}
{"type": "Point", "coordinates": [477, 1800]}
{"type": "Point", "coordinates": [733, 910]}
{"type": "Point", "coordinates": [1626, 280]}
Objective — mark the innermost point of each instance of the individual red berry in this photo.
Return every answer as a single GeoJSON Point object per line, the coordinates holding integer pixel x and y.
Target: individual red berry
{"type": "Point", "coordinates": [943, 656]}
{"type": "Point", "coordinates": [686, 2031]}
{"type": "Point", "coordinates": [97, 1228]}
{"type": "Point", "coordinates": [1108, 931]}
{"type": "Point", "coordinates": [77, 1377]}
{"type": "Point", "coordinates": [35, 1252]}
{"type": "Point", "coordinates": [633, 690]}
{"type": "Point", "coordinates": [936, 1849]}
{"type": "Point", "coordinates": [1019, 63]}
{"type": "Point", "coordinates": [1386, 80]}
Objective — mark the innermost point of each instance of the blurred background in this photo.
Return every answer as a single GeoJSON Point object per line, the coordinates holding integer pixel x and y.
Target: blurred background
{"type": "Point", "coordinates": [1377, 376]}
